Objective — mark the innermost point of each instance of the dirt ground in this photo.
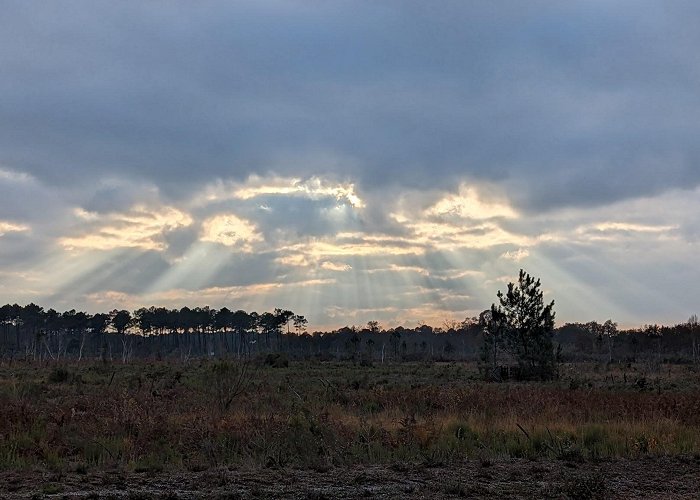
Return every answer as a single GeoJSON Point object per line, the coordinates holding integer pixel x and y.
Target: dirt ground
{"type": "Point", "coordinates": [663, 478]}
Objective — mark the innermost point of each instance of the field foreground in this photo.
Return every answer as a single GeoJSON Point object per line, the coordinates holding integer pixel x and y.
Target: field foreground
{"type": "Point", "coordinates": [666, 478]}
{"type": "Point", "coordinates": [339, 430]}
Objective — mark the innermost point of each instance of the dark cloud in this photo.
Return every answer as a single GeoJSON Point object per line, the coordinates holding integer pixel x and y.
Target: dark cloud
{"type": "Point", "coordinates": [24, 200]}
{"type": "Point", "coordinates": [180, 240]}
{"type": "Point", "coordinates": [117, 197]}
{"type": "Point", "coordinates": [581, 114]}
{"type": "Point", "coordinates": [19, 250]}
{"type": "Point", "coordinates": [575, 103]}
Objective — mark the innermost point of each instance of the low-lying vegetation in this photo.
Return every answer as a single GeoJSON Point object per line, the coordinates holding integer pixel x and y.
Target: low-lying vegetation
{"type": "Point", "coordinates": [197, 415]}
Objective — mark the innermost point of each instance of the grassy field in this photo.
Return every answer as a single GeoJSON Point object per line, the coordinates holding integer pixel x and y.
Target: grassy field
{"type": "Point", "coordinates": [207, 414]}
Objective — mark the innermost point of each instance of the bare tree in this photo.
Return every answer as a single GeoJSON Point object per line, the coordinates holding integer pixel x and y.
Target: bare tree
{"type": "Point", "coordinates": [229, 380]}
{"type": "Point", "coordinates": [693, 327]}
{"type": "Point", "coordinates": [610, 332]}
{"type": "Point", "coordinates": [127, 347]}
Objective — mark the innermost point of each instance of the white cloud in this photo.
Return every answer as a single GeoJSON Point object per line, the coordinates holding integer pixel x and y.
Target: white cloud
{"type": "Point", "coordinates": [11, 227]}
{"type": "Point", "coordinates": [313, 188]}
{"type": "Point", "coordinates": [231, 231]}
{"type": "Point", "coordinates": [15, 176]}
{"type": "Point", "coordinates": [516, 255]}
{"type": "Point", "coordinates": [335, 266]}
{"type": "Point", "coordinates": [468, 203]}
{"type": "Point", "coordinates": [406, 256]}
{"type": "Point", "coordinates": [140, 227]}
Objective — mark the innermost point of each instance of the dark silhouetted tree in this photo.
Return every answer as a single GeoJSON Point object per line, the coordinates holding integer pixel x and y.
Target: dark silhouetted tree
{"type": "Point", "coordinates": [493, 329]}
{"type": "Point", "coordinates": [527, 327]}
{"type": "Point", "coordinates": [121, 321]}
{"type": "Point", "coordinates": [370, 345]}
{"type": "Point", "coordinates": [283, 317]}
{"type": "Point", "coordinates": [242, 324]}
{"type": "Point", "coordinates": [395, 341]}
{"type": "Point", "coordinates": [355, 341]}
{"type": "Point", "coordinates": [300, 323]}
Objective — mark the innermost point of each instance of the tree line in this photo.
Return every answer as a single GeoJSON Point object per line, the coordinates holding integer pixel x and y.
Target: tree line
{"type": "Point", "coordinates": [32, 332]}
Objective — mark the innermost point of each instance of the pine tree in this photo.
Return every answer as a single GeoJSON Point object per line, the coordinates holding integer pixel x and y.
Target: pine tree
{"type": "Point", "coordinates": [526, 325]}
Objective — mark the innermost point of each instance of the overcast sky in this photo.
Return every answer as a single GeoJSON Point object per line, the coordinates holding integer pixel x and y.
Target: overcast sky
{"type": "Point", "coordinates": [351, 161]}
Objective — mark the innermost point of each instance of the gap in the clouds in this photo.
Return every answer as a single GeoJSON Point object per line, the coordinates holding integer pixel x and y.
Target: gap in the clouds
{"type": "Point", "coordinates": [431, 257]}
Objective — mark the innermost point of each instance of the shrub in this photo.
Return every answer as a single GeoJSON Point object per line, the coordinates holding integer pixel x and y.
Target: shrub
{"type": "Point", "coordinates": [277, 360]}
{"type": "Point", "coordinates": [58, 375]}
{"type": "Point", "coordinates": [229, 379]}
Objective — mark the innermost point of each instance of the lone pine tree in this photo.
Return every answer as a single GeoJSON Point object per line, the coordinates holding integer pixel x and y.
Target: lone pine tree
{"type": "Point", "coordinates": [522, 326]}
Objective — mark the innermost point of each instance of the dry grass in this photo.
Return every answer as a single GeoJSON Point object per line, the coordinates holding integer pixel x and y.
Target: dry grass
{"type": "Point", "coordinates": [153, 416]}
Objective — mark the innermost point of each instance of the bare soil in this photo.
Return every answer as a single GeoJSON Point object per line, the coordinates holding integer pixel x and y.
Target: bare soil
{"type": "Point", "coordinates": [657, 477]}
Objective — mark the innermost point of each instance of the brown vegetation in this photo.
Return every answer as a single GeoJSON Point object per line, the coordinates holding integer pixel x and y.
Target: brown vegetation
{"type": "Point", "coordinates": [147, 416]}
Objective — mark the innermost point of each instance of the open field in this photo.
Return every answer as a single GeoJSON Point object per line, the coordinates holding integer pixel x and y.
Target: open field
{"type": "Point", "coordinates": [406, 428]}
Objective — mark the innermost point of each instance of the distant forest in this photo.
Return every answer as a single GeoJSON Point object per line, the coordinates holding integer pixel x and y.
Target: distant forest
{"type": "Point", "coordinates": [31, 332]}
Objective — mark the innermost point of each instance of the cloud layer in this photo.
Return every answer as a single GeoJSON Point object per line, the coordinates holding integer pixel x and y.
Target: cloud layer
{"type": "Point", "coordinates": [390, 160]}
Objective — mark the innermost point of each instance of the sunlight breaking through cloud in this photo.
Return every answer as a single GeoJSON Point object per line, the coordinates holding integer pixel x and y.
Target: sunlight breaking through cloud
{"type": "Point", "coordinates": [334, 266]}
{"type": "Point", "coordinates": [354, 244]}
{"type": "Point", "coordinates": [412, 154]}
{"type": "Point", "coordinates": [11, 227]}
{"type": "Point", "coordinates": [258, 296]}
{"type": "Point", "coordinates": [516, 255]}
{"type": "Point", "coordinates": [405, 258]}
{"type": "Point", "coordinates": [141, 227]}
{"type": "Point", "coordinates": [231, 231]}
{"type": "Point", "coordinates": [611, 230]}
{"type": "Point", "coordinates": [314, 188]}
{"type": "Point", "coordinates": [469, 204]}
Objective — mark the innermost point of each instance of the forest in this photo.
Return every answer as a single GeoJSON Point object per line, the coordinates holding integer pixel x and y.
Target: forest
{"type": "Point", "coordinates": [31, 332]}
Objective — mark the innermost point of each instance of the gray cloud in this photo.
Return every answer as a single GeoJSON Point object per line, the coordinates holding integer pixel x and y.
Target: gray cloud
{"type": "Point", "coordinates": [576, 103]}
{"type": "Point", "coordinates": [279, 217]}
{"type": "Point", "coordinates": [578, 114]}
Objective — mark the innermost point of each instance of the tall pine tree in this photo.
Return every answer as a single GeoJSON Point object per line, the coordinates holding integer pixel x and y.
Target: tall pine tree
{"type": "Point", "coordinates": [525, 327]}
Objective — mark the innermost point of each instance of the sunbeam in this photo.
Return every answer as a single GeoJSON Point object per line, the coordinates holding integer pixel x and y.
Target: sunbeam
{"type": "Point", "coordinates": [194, 269]}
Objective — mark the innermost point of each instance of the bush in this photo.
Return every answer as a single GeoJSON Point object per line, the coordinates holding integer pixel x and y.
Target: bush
{"type": "Point", "coordinates": [229, 379]}
{"type": "Point", "coordinates": [58, 375]}
{"type": "Point", "coordinates": [277, 360]}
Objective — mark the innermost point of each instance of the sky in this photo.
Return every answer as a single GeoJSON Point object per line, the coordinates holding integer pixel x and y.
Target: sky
{"type": "Point", "coordinates": [396, 161]}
